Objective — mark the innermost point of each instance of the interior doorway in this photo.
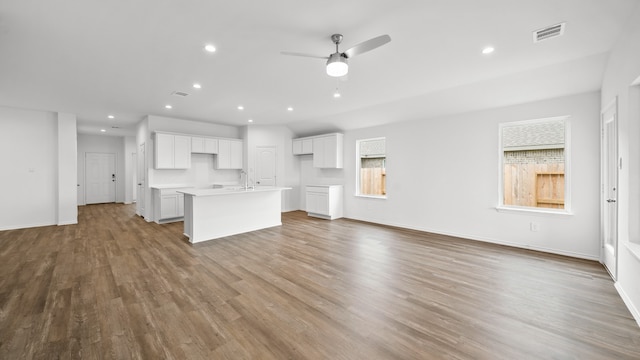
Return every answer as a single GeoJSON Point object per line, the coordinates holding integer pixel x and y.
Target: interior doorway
{"type": "Point", "coordinates": [266, 165]}
{"type": "Point", "coordinates": [134, 176]}
{"type": "Point", "coordinates": [100, 178]}
{"type": "Point", "coordinates": [609, 203]}
{"type": "Point", "coordinates": [140, 203]}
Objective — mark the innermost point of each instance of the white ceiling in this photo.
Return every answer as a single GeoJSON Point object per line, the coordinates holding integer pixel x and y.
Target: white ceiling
{"type": "Point", "coordinates": [94, 58]}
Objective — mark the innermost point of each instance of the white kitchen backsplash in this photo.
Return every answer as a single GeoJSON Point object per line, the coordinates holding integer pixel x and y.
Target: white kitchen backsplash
{"type": "Point", "coordinates": [201, 173]}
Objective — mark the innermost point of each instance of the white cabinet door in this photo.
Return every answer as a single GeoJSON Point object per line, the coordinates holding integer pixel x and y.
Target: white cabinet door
{"type": "Point", "coordinates": [164, 154]}
{"type": "Point", "coordinates": [182, 152]}
{"type": "Point", "coordinates": [203, 145]}
{"type": "Point", "coordinates": [324, 201]}
{"type": "Point", "coordinates": [210, 146]}
{"type": "Point", "coordinates": [168, 206]}
{"type": "Point", "coordinates": [302, 146]}
{"type": "Point", "coordinates": [172, 151]}
{"type": "Point", "coordinates": [197, 144]}
{"type": "Point", "coordinates": [319, 152]}
{"type": "Point", "coordinates": [307, 146]}
{"type": "Point", "coordinates": [229, 154]}
{"type": "Point", "coordinates": [328, 151]}
{"type": "Point", "coordinates": [318, 203]}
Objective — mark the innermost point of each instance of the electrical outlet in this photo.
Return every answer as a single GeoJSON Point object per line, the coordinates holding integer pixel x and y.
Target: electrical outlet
{"type": "Point", "coordinates": [534, 226]}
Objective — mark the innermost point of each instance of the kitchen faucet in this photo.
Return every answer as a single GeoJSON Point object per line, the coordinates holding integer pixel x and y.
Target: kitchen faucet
{"type": "Point", "coordinates": [246, 179]}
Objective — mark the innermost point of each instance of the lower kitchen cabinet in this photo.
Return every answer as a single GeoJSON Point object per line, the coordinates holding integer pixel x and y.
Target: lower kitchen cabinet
{"type": "Point", "coordinates": [168, 205]}
{"type": "Point", "coordinates": [324, 201]}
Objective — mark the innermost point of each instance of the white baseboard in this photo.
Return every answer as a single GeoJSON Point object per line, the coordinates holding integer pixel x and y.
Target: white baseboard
{"type": "Point", "coordinates": [25, 226]}
{"type": "Point", "coordinates": [627, 301]}
{"type": "Point", "coordinates": [69, 222]}
{"type": "Point", "coordinates": [495, 241]}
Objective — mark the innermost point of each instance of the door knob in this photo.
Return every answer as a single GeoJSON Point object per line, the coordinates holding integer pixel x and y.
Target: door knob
{"type": "Point", "coordinates": [611, 200]}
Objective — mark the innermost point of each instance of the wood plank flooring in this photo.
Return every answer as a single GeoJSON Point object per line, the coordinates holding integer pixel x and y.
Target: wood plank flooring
{"type": "Point", "coordinates": [117, 287]}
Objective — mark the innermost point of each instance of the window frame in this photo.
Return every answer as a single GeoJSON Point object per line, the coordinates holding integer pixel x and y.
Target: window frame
{"type": "Point", "coordinates": [358, 167]}
{"type": "Point", "coordinates": [501, 207]}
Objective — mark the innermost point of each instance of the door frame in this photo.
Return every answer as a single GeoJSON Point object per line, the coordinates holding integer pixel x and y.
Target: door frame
{"type": "Point", "coordinates": [610, 108]}
{"type": "Point", "coordinates": [275, 162]}
{"type": "Point", "coordinates": [115, 173]}
{"type": "Point", "coordinates": [141, 180]}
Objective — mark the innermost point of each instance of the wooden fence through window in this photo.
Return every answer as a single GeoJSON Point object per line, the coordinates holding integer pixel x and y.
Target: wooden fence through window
{"type": "Point", "coordinates": [373, 181]}
{"type": "Point", "coordinates": [535, 185]}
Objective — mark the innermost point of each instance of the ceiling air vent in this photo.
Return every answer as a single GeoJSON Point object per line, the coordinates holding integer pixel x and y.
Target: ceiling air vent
{"type": "Point", "coordinates": [179, 93]}
{"type": "Point", "coordinates": [548, 32]}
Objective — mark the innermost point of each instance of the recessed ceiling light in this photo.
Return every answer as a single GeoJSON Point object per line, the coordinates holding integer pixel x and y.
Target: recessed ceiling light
{"type": "Point", "coordinates": [103, 130]}
{"type": "Point", "coordinates": [197, 86]}
{"type": "Point", "coordinates": [210, 48]}
{"type": "Point", "coordinates": [289, 108]}
{"type": "Point", "coordinates": [488, 50]}
{"type": "Point", "coordinates": [240, 107]}
{"type": "Point", "coordinates": [168, 107]}
{"type": "Point", "coordinates": [250, 120]}
{"type": "Point", "coordinates": [111, 117]}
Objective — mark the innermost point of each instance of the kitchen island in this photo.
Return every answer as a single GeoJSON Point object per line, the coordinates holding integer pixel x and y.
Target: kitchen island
{"type": "Point", "coordinates": [214, 213]}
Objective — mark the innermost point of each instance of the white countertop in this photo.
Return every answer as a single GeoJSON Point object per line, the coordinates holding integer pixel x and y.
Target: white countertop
{"type": "Point", "coordinates": [171, 186]}
{"type": "Point", "coordinates": [316, 185]}
{"type": "Point", "coordinates": [230, 190]}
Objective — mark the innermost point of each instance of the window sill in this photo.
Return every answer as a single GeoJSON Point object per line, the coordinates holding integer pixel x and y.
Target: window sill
{"type": "Point", "coordinates": [634, 248]}
{"type": "Point", "coordinates": [530, 210]}
{"type": "Point", "coordinates": [383, 197]}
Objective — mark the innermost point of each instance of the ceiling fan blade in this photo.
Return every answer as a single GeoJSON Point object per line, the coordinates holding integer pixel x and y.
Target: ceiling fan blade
{"type": "Point", "coordinates": [303, 55]}
{"type": "Point", "coordinates": [368, 45]}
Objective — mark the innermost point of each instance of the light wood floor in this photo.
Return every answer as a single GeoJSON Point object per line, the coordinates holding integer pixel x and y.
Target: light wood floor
{"type": "Point", "coordinates": [117, 287]}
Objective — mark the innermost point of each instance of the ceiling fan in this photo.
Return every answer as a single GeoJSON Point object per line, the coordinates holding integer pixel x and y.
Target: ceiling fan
{"type": "Point", "coordinates": [337, 64]}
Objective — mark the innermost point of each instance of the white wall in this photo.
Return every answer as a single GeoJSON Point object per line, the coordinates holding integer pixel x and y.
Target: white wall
{"type": "Point", "coordinates": [130, 168]}
{"type": "Point", "coordinates": [67, 169]}
{"type": "Point", "coordinates": [442, 177]}
{"type": "Point", "coordinates": [102, 144]}
{"type": "Point", "coordinates": [34, 153]}
{"type": "Point", "coordinates": [622, 70]}
{"type": "Point", "coordinates": [287, 166]}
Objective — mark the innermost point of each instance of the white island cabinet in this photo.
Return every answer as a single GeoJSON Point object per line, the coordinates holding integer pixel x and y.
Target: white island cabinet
{"type": "Point", "coordinates": [214, 213]}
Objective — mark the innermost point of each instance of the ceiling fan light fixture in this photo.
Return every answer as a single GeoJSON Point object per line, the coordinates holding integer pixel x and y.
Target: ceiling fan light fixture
{"type": "Point", "coordinates": [337, 65]}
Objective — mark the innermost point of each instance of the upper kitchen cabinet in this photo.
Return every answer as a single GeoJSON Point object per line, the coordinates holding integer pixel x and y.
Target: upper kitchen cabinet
{"type": "Point", "coordinates": [328, 151]}
{"type": "Point", "coordinates": [229, 154]}
{"type": "Point", "coordinates": [172, 151]}
{"type": "Point", "coordinates": [302, 146]}
{"type": "Point", "coordinates": [204, 145]}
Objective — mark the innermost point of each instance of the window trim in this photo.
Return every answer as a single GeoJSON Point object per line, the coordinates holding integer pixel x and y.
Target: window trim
{"type": "Point", "coordinates": [501, 207]}
{"type": "Point", "coordinates": [358, 163]}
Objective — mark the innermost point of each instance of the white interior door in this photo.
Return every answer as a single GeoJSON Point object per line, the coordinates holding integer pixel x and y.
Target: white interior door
{"type": "Point", "coordinates": [266, 165]}
{"type": "Point", "coordinates": [610, 168]}
{"type": "Point", "coordinates": [142, 180]}
{"type": "Point", "coordinates": [100, 178]}
{"type": "Point", "coordinates": [134, 176]}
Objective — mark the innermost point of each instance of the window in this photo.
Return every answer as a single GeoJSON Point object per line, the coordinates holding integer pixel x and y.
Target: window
{"type": "Point", "coordinates": [371, 162]}
{"type": "Point", "coordinates": [534, 165]}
